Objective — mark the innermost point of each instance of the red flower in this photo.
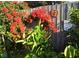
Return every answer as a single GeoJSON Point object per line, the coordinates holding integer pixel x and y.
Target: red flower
{"type": "Point", "coordinates": [15, 2]}
{"type": "Point", "coordinates": [20, 14]}
{"type": "Point", "coordinates": [33, 13]}
{"type": "Point", "coordinates": [53, 27]}
{"type": "Point", "coordinates": [55, 30]}
{"type": "Point", "coordinates": [0, 2]}
{"type": "Point", "coordinates": [43, 15]}
{"type": "Point", "coordinates": [14, 13]}
{"type": "Point", "coordinates": [48, 18]}
{"type": "Point", "coordinates": [22, 28]}
{"type": "Point", "coordinates": [9, 16]}
{"type": "Point", "coordinates": [18, 20]}
{"type": "Point", "coordinates": [13, 27]}
{"type": "Point", "coordinates": [38, 12]}
{"type": "Point", "coordinates": [29, 21]}
{"type": "Point", "coordinates": [5, 10]}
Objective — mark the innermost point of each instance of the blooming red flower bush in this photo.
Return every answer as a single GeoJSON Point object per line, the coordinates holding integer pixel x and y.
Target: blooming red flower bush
{"type": "Point", "coordinates": [13, 27]}
{"type": "Point", "coordinates": [14, 14]}
{"type": "Point", "coordinates": [19, 24]}
{"type": "Point", "coordinates": [17, 18]}
{"type": "Point", "coordinates": [44, 16]}
{"type": "Point", "coordinates": [22, 28]}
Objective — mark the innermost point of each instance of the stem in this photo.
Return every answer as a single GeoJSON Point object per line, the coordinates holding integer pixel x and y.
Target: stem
{"type": "Point", "coordinates": [4, 43]}
{"type": "Point", "coordinates": [39, 22]}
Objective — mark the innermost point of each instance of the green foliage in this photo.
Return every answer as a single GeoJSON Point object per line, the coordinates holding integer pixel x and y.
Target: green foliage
{"type": "Point", "coordinates": [3, 53]}
{"type": "Point", "coordinates": [74, 15]}
{"type": "Point", "coordinates": [37, 40]}
{"type": "Point", "coordinates": [73, 34]}
{"type": "Point", "coordinates": [70, 52]}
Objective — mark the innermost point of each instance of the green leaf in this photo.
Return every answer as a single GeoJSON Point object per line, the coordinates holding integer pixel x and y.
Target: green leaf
{"type": "Point", "coordinates": [29, 43]}
{"type": "Point", "coordinates": [70, 51]}
{"type": "Point", "coordinates": [34, 46]}
{"type": "Point", "coordinates": [19, 41]}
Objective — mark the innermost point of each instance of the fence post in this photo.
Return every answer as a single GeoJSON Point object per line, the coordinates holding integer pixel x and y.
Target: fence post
{"type": "Point", "coordinates": [62, 41]}
{"type": "Point", "coordinates": [59, 36]}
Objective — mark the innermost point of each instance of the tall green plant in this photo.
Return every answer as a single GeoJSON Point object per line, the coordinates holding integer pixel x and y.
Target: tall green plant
{"type": "Point", "coordinates": [37, 40]}
{"type": "Point", "coordinates": [70, 52]}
